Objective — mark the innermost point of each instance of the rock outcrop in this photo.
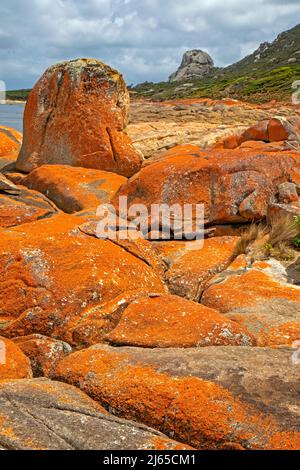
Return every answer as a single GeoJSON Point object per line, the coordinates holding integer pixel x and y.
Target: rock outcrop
{"type": "Point", "coordinates": [74, 189]}
{"type": "Point", "coordinates": [285, 132]}
{"type": "Point", "coordinates": [10, 141]}
{"type": "Point", "coordinates": [168, 321]}
{"type": "Point", "coordinates": [155, 127]}
{"type": "Point", "coordinates": [43, 352]}
{"type": "Point", "coordinates": [57, 273]}
{"type": "Point", "coordinates": [21, 205]}
{"type": "Point", "coordinates": [76, 115]}
{"type": "Point", "coordinates": [189, 269]}
{"type": "Point", "coordinates": [13, 362]}
{"type": "Point", "coordinates": [260, 297]}
{"type": "Point", "coordinates": [210, 398]}
{"type": "Point", "coordinates": [195, 64]}
{"type": "Point", "coordinates": [41, 414]}
{"type": "Point", "coordinates": [198, 339]}
{"type": "Point", "coordinates": [234, 186]}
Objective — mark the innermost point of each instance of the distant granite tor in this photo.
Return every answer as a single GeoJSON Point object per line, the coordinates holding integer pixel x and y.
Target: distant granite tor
{"type": "Point", "coordinates": [195, 64]}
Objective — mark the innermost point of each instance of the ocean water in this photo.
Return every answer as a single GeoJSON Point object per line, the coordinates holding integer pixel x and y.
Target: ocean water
{"type": "Point", "coordinates": [12, 115]}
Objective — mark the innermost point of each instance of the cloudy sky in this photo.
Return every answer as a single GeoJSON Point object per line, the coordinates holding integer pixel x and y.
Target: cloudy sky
{"type": "Point", "coordinates": [144, 39]}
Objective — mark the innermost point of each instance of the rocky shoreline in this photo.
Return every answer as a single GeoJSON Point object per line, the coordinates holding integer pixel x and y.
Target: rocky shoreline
{"type": "Point", "coordinates": [148, 342]}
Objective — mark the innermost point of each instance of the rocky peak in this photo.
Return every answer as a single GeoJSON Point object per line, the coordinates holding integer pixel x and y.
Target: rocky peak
{"type": "Point", "coordinates": [195, 64]}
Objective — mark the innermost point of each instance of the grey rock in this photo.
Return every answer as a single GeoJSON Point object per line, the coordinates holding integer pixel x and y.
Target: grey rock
{"type": "Point", "coordinates": [195, 64]}
{"type": "Point", "coordinates": [41, 414]}
{"type": "Point", "coordinates": [262, 382]}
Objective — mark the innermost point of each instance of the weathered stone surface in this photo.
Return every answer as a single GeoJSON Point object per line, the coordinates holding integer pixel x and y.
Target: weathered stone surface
{"type": "Point", "coordinates": [7, 186]}
{"type": "Point", "coordinates": [57, 272]}
{"type": "Point", "coordinates": [190, 268]}
{"type": "Point", "coordinates": [41, 414]}
{"type": "Point", "coordinates": [168, 321]}
{"type": "Point", "coordinates": [74, 189]}
{"type": "Point", "coordinates": [155, 127]}
{"type": "Point", "coordinates": [234, 186]}
{"type": "Point", "coordinates": [207, 397]}
{"type": "Point", "coordinates": [7, 162]}
{"type": "Point", "coordinates": [195, 64]}
{"type": "Point", "coordinates": [279, 211]}
{"type": "Point", "coordinates": [258, 131]}
{"type": "Point", "coordinates": [10, 141]}
{"type": "Point", "coordinates": [132, 241]}
{"type": "Point", "coordinates": [22, 206]}
{"type": "Point", "coordinates": [259, 296]}
{"type": "Point", "coordinates": [288, 193]}
{"type": "Point", "coordinates": [76, 115]}
{"type": "Point", "coordinates": [13, 363]}
{"type": "Point", "coordinates": [277, 129]}
{"type": "Point", "coordinates": [43, 352]}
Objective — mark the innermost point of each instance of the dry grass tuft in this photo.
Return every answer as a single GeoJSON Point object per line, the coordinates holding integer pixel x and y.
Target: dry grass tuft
{"type": "Point", "coordinates": [276, 240]}
{"type": "Point", "coordinates": [249, 236]}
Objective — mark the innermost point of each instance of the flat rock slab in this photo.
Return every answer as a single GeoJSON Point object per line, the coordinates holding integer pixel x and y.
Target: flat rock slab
{"type": "Point", "coordinates": [41, 414]}
{"type": "Point", "coordinates": [234, 186]}
{"type": "Point", "coordinates": [170, 321]}
{"type": "Point", "coordinates": [74, 189]}
{"type": "Point", "coordinates": [51, 273]}
{"type": "Point", "coordinates": [258, 295]}
{"type": "Point", "coordinates": [189, 267]}
{"type": "Point", "coordinates": [23, 206]}
{"type": "Point", "coordinates": [210, 397]}
{"type": "Point", "coordinates": [13, 362]}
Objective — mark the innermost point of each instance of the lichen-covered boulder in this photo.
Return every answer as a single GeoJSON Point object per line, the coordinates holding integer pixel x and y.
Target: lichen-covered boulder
{"type": "Point", "coordinates": [260, 296]}
{"type": "Point", "coordinates": [13, 362]}
{"type": "Point", "coordinates": [41, 414]}
{"type": "Point", "coordinates": [23, 205]}
{"type": "Point", "coordinates": [235, 186]}
{"type": "Point", "coordinates": [74, 189]}
{"type": "Point", "coordinates": [51, 273]}
{"type": "Point", "coordinates": [170, 321]}
{"type": "Point", "coordinates": [10, 141]}
{"type": "Point", "coordinates": [190, 268]}
{"type": "Point", "coordinates": [43, 352]}
{"type": "Point", "coordinates": [76, 115]}
{"type": "Point", "coordinates": [210, 398]}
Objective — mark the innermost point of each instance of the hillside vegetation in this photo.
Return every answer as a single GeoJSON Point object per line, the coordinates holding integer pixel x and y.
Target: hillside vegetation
{"type": "Point", "coordinates": [18, 95]}
{"type": "Point", "coordinates": [266, 74]}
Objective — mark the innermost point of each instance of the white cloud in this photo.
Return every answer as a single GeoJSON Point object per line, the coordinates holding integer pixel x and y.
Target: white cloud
{"type": "Point", "coordinates": [144, 39]}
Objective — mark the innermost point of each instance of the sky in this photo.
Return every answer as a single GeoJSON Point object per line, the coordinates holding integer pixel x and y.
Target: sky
{"type": "Point", "coordinates": [143, 39]}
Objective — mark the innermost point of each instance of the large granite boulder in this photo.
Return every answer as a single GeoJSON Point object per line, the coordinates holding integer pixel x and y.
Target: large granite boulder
{"type": "Point", "coordinates": [76, 115]}
{"type": "Point", "coordinates": [41, 414]}
{"type": "Point", "coordinates": [195, 64]}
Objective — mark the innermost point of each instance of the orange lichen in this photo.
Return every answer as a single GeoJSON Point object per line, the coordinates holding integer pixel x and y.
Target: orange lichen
{"type": "Point", "coordinates": [74, 189]}
{"type": "Point", "coordinates": [169, 321]}
{"type": "Point", "coordinates": [85, 108]}
{"type": "Point", "coordinates": [56, 272]}
{"type": "Point", "coordinates": [159, 443]}
{"type": "Point", "coordinates": [200, 413]}
{"type": "Point", "coordinates": [251, 287]}
{"type": "Point", "coordinates": [13, 363]}
{"type": "Point", "coordinates": [234, 185]}
{"type": "Point", "coordinates": [10, 140]}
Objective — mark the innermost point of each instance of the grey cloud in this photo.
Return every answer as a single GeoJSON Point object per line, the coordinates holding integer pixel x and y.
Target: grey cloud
{"type": "Point", "coordinates": [144, 39]}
